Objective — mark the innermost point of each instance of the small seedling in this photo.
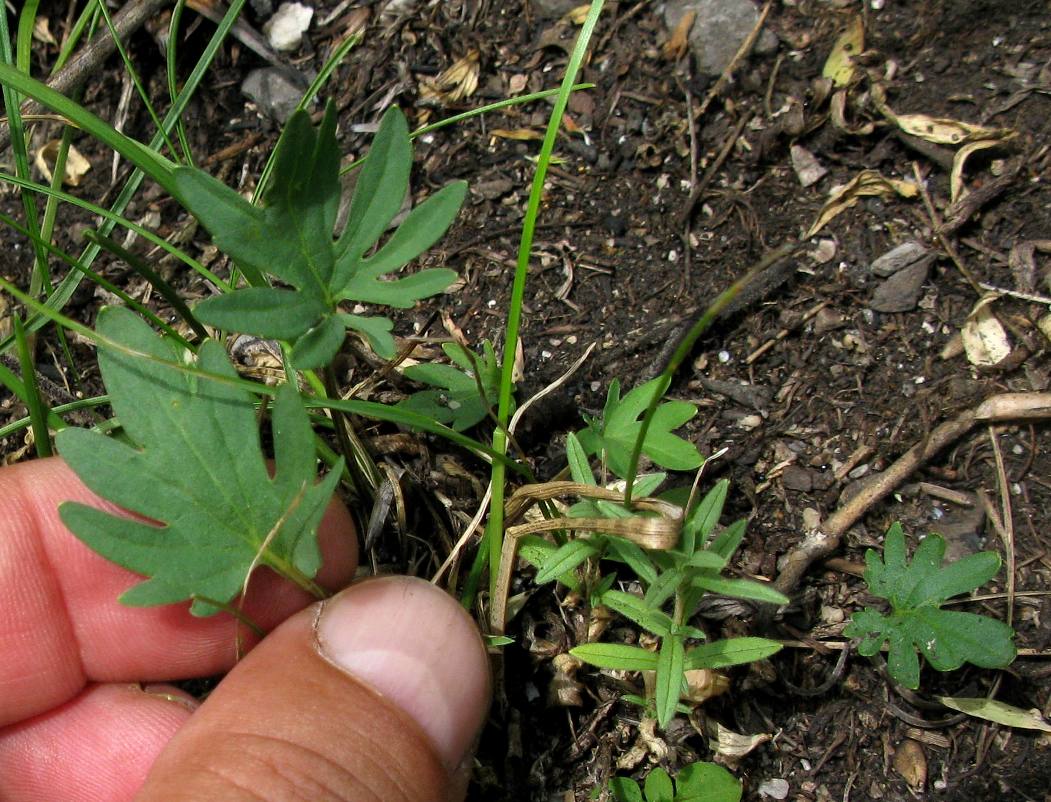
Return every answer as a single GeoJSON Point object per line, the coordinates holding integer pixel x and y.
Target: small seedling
{"type": "Point", "coordinates": [697, 782]}
{"type": "Point", "coordinates": [916, 591]}
{"type": "Point", "coordinates": [191, 462]}
{"type": "Point", "coordinates": [291, 238]}
{"type": "Point", "coordinates": [680, 573]}
{"type": "Point", "coordinates": [463, 394]}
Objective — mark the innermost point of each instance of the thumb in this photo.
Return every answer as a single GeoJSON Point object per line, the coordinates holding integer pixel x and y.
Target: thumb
{"type": "Point", "coordinates": [375, 694]}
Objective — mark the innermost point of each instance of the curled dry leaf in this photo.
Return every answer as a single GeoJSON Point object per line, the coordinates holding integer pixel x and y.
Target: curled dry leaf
{"type": "Point", "coordinates": [910, 762]}
{"type": "Point", "coordinates": [839, 66]}
{"type": "Point", "coordinates": [867, 182]}
{"type": "Point", "coordinates": [729, 744]}
{"type": "Point", "coordinates": [578, 14]}
{"type": "Point", "coordinates": [956, 187]}
{"type": "Point", "coordinates": [939, 130]}
{"type": "Point", "coordinates": [42, 31]}
{"type": "Point", "coordinates": [985, 340]}
{"type": "Point", "coordinates": [457, 82]}
{"type": "Point", "coordinates": [807, 168]}
{"type": "Point", "coordinates": [678, 42]}
{"type": "Point", "coordinates": [76, 164]}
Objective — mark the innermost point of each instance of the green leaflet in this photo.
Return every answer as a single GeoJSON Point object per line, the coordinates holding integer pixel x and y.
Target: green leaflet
{"type": "Point", "coordinates": [456, 401]}
{"type": "Point", "coordinates": [916, 591]}
{"type": "Point", "coordinates": [198, 471]}
{"type": "Point", "coordinates": [697, 782]}
{"type": "Point", "coordinates": [614, 434]}
{"type": "Point", "coordinates": [291, 237]}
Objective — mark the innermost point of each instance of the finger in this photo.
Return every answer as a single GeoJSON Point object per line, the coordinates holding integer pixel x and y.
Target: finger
{"type": "Point", "coordinates": [98, 746]}
{"type": "Point", "coordinates": [61, 624]}
{"type": "Point", "coordinates": [380, 695]}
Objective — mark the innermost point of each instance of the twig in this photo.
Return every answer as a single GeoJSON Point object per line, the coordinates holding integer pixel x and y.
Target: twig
{"type": "Point", "coordinates": [824, 540]}
{"type": "Point", "coordinates": [941, 233]}
{"type": "Point", "coordinates": [1003, 523]}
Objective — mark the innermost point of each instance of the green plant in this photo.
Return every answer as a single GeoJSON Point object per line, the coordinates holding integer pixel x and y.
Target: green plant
{"type": "Point", "coordinates": [916, 591]}
{"type": "Point", "coordinates": [462, 394]}
{"type": "Point", "coordinates": [191, 463]}
{"type": "Point", "coordinates": [291, 238]}
{"type": "Point", "coordinates": [679, 576]}
{"type": "Point", "coordinates": [697, 782]}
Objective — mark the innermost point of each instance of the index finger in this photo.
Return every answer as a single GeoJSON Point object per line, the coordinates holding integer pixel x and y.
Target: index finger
{"type": "Point", "coordinates": [61, 625]}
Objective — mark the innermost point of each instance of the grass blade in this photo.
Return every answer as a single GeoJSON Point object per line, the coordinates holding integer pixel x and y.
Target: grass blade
{"type": "Point", "coordinates": [37, 409]}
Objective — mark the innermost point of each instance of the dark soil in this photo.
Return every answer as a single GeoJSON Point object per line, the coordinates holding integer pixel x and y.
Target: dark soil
{"type": "Point", "coordinates": [808, 388]}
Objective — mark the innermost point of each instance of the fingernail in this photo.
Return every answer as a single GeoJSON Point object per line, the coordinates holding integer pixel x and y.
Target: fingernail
{"type": "Point", "coordinates": [414, 645]}
{"type": "Point", "coordinates": [170, 694]}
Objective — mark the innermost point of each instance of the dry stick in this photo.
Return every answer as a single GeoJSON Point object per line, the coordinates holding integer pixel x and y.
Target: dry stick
{"type": "Point", "coordinates": [940, 232]}
{"type": "Point", "coordinates": [1004, 522]}
{"type": "Point", "coordinates": [90, 58]}
{"type": "Point", "coordinates": [824, 540]}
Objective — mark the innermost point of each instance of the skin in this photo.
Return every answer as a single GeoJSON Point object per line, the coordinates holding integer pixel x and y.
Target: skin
{"type": "Point", "coordinates": [377, 694]}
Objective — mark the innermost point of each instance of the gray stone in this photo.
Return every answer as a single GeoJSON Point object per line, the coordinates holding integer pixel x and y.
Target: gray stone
{"type": "Point", "coordinates": [276, 91]}
{"type": "Point", "coordinates": [898, 258]}
{"type": "Point", "coordinates": [554, 8]}
{"type": "Point", "coordinates": [901, 292]}
{"type": "Point", "coordinates": [718, 30]}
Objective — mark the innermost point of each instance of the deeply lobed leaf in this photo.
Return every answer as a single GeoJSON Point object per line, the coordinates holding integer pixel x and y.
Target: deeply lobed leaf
{"type": "Point", "coordinates": [197, 473]}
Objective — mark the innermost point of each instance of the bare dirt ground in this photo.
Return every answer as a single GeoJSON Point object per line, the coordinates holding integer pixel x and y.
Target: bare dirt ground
{"type": "Point", "coordinates": [814, 388]}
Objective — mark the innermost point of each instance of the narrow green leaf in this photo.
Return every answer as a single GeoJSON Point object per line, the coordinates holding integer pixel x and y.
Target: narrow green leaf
{"type": "Point", "coordinates": [670, 664]}
{"type": "Point", "coordinates": [379, 191]}
{"type": "Point", "coordinates": [739, 588]}
{"type": "Point", "coordinates": [616, 656]}
{"type": "Point", "coordinates": [579, 467]}
{"type": "Point", "coordinates": [636, 609]}
{"type": "Point", "coordinates": [730, 652]}
{"type": "Point", "coordinates": [706, 559]}
{"type": "Point", "coordinates": [622, 549]}
{"type": "Point", "coordinates": [701, 521]}
{"type": "Point", "coordinates": [536, 551]}
{"type": "Point", "coordinates": [729, 540]}
{"type": "Point", "coordinates": [262, 311]}
{"type": "Point", "coordinates": [401, 293]}
{"type": "Point", "coordinates": [566, 558]}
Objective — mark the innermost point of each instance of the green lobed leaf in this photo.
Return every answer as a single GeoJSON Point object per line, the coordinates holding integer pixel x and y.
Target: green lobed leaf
{"type": "Point", "coordinates": [199, 472]}
{"type": "Point", "coordinates": [615, 434]}
{"type": "Point", "coordinates": [916, 624]}
{"type": "Point", "coordinates": [319, 345]}
{"type": "Point", "coordinates": [458, 402]}
{"type": "Point", "coordinates": [617, 656]}
{"type": "Point", "coordinates": [376, 330]}
{"type": "Point", "coordinates": [263, 311]}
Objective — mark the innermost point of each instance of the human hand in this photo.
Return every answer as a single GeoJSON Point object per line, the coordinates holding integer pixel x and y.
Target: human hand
{"type": "Point", "coordinates": [377, 693]}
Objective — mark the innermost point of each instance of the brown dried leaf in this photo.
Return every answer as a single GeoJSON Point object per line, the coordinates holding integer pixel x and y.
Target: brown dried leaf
{"type": "Point", "coordinates": [865, 183]}
{"type": "Point", "coordinates": [985, 340]}
{"type": "Point", "coordinates": [956, 187]}
{"type": "Point", "coordinates": [910, 762]}
{"type": "Point", "coordinates": [521, 134]}
{"type": "Point", "coordinates": [457, 82]}
{"type": "Point", "coordinates": [677, 44]}
{"type": "Point", "coordinates": [76, 164]}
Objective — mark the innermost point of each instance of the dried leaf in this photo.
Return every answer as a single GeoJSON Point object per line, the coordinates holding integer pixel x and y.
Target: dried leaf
{"type": "Point", "coordinates": [939, 130]}
{"type": "Point", "coordinates": [911, 763]}
{"type": "Point", "coordinates": [457, 82]}
{"type": "Point", "coordinates": [808, 169]}
{"type": "Point", "coordinates": [985, 340]}
{"type": "Point", "coordinates": [839, 66]}
{"type": "Point", "coordinates": [1001, 713]}
{"type": "Point", "coordinates": [867, 182]}
{"type": "Point", "coordinates": [520, 134]}
{"type": "Point", "coordinates": [42, 31]}
{"type": "Point", "coordinates": [578, 14]}
{"type": "Point", "coordinates": [517, 83]}
{"type": "Point", "coordinates": [677, 44]}
{"type": "Point", "coordinates": [76, 164]}
{"type": "Point", "coordinates": [956, 187]}
{"type": "Point", "coordinates": [724, 741]}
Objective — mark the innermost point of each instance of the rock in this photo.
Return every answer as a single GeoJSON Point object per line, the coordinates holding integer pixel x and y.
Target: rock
{"type": "Point", "coordinates": [795, 477]}
{"type": "Point", "coordinates": [718, 30]}
{"type": "Point", "coordinates": [276, 91]}
{"type": "Point", "coordinates": [552, 9]}
{"type": "Point", "coordinates": [898, 258]}
{"type": "Point", "coordinates": [285, 29]}
{"type": "Point", "coordinates": [901, 292]}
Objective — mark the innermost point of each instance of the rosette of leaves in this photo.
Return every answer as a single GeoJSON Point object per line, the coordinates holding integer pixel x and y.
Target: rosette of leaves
{"type": "Point", "coordinates": [916, 624]}
{"type": "Point", "coordinates": [292, 238]}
